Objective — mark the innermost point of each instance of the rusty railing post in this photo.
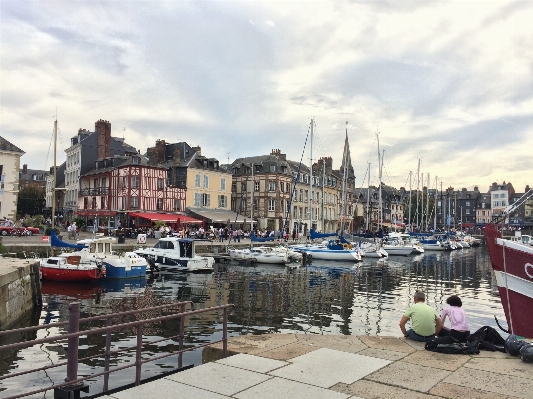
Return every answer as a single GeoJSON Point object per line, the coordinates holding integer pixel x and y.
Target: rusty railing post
{"type": "Point", "coordinates": [107, 355]}
{"type": "Point", "coordinates": [73, 343]}
{"type": "Point", "coordinates": [139, 353]}
{"type": "Point", "coordinates": [225, 333]}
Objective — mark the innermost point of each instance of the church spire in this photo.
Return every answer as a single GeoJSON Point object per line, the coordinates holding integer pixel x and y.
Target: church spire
{"type": "Point", "coordinates": [346, 157]}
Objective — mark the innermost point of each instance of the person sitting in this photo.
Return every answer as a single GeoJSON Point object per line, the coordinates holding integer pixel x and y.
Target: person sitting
{"type": "Point", "coordinates": [459, 327]}
{"type": "Point", "coordinates": [425, 322]}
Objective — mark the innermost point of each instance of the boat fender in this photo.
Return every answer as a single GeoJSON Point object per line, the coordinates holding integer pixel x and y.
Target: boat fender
{"type": "Point", "coordinates": [526, 353]}
{"type": "Point", "coordinates": [347, 246]}
{"type": "Point", "coordinates": [513, 345]}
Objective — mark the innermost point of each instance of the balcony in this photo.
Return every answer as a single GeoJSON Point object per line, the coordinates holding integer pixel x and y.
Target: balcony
{"type": "Point", "coordinates": [93, 191]}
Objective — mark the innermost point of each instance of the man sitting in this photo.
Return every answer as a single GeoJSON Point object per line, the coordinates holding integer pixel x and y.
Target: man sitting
{"type": "Point", "coordinates": [425, 322]}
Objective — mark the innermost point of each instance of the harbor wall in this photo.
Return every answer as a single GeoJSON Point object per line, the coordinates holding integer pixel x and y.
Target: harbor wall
{"type": "Point", "coordinates": [20, 290]}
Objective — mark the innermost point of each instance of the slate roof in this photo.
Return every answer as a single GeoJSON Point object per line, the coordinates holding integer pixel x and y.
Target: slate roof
{"type": "Point", "coordinates": [7, 146]}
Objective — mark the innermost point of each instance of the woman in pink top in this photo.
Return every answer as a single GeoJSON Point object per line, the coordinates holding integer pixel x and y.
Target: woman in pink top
{"type": "Point", "coordinates": [459, 328]}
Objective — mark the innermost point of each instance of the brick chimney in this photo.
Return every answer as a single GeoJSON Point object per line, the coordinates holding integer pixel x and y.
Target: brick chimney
{"type": "Point", "coordinates": [275, 151]}
{"type": "Point", "coordinates": [103, 131]}
{"type": "Point", "coordinates": [527, 188]}
{"type": "Point", "coordinates": [476, 188]}
{"type": "Point", "coordinates": [25, 168]}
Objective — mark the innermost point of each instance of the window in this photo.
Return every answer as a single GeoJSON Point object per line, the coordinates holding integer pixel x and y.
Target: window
{"type": "Point", "coordinates": [223, 184]}
{"type": "Point", "coordinates": [159, 183]}
{"type": "Point", "coordinates": [202, 199]}
{"type": "Point", "coordinates": [177, 204]}
{"type": "Point", "coordinates": [271, 186]}
{"type": "Point", "coordinates": [281, 206]}
{"type": "Point", "coordinates": [243, 205]}
{"type": "Point", "coordinates": [159, 205]}
{"type": "Point", "coordinates": [243, 187]}
{"type": "Point", "coordinates": [306, 195]}
{"type": "Point", "coordinates": [197, 181]}
{"type": "Point", "coordinates": [206, 181]}
{"type": "Point", "coordinates": [256, 186]}
{"type": "Point", "coordinates": [93, 205]}
{"type": "Point", "coordinates": [135, 182]}
{"type": "Point", "coordinates": [124, 183]}
{"type": "Point", "coordinates": [256, 204]}
{"type": "Point", "coordinates": [135, 202]}
{"type": "Point", "coordinates": [103, 203]}
{"type": "Point", "coordinates": [288, 186]}
{"type": "Point", "coordinates": [301, 195]}
{"type": "Point", "coordinates": [104, 182]}
{"type": "Point", "coordinates": [295, 212]}
{"type": "Point", "coordinates": [271, 205]}
{"type": "Point", "coordinates": [272, 168]}
{"type": "Point", "coordinates": [95, 183]}
{"type": "Point", "coordinates": [234, 188]}
{"type": "Point", "coordinates": [136, 160]}
{"type": "Point", "coordinates": [123, 201]}
{"type": "Point", "coordinates": [222, 201]}
{"type": "Point", "coordinates": [467, 203]}
{"type": "Point", "coordinates": [281, 186]}
{"type": "Point", "coordinates": [467, 211]}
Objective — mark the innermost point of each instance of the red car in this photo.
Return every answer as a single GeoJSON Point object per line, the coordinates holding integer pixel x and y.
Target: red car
{"type": "Point", "coordinates": [7, 230]}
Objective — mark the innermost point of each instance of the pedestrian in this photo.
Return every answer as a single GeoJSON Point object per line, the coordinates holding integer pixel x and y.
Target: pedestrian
{"type": "Point", "coordinates": [459, 326]}
{"type": "Point", "coordinates": [425, 322]}
{"type": "Point", "coordinates": [235, 235]}
{"type": "Point", "coordinates": [69, 231]}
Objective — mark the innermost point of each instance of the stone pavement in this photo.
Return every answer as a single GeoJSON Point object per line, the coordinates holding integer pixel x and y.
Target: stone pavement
{"type": "Point", "coordinates": [330, 366]}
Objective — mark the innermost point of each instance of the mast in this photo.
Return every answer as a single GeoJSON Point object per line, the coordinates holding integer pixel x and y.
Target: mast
{"type": "Point", "coordinates": [368, 199]}
{"type": "Point", "coordinates": [422, 204]}
{"type": "Point", "coordinates": [344, 177]}
{"type": "Point", "coordinates": [311, 181]}
{"type": "Point", "coordinates": [435, 205]}
{"type": "Point", "coordinates": [427, 204]}
{"type": "Point", "coordinates": [323, 193]}
{"type": "Point", "coordinates": [379, 170]}
{"type": "Point", "coordinates": [417, 189]}
{"type": "Point", "coordinates": [55, 175]}
{"type": "Point", "coordinates": [252, 201]}
{"type": "Point", "coordinates": [410, 199]}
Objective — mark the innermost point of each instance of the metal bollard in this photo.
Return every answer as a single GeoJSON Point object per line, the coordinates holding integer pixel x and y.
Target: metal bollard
{"type": "Point", "coordinates": [225, 334]}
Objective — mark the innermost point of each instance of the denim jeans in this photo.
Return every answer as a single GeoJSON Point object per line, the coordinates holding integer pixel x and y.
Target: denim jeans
{"type": "Point", "coordinates": [415, 337]}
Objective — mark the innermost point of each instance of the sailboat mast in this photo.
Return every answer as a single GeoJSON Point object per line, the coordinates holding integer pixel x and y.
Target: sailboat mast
{"type": "Point", "coordinates": [379, 170]}
{"type": "Point", "coordinates": [368, 199]}
{"type": "Point", "coordinates": [311, 181]}
{"type": "Point", "coordinates": [435, 205]}
{"type": "Point", "coordinates": [417, 189]}
{"type": "Point", "coordinates": [422, 202]}
{"type": "Point", "coordinates": [55, 175]}
{"type": "Point", "coordinates": [410, 200]}
{"type": "Point", "coordinates": [427, 204]}
{"type": "Point", "coordinates": [252, 202]}
{"type": "Point", "coordinates": [323, 193]}
{"type": "Point", "coordinates": [344, 177]}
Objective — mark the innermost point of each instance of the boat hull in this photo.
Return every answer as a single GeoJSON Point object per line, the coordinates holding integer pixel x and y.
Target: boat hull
{"type": "Point", "coordinates": [71, 274]}
{"type": "Point", "coordinates": [513, 266]}
{"type": "Point", "coordinates": [122, 271]}
{"type": "Point", "coordinates": [398, 251]}
{"type": "Point", "coordinates": [336, 255]}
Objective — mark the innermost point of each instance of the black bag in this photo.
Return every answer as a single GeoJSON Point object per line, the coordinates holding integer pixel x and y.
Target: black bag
{"type": "Point", "coordinates": [513, 345]}
{"type": "Point", "coordinates": [451, 345]}
{"type": "Point", "coordinates": [488, 339]}
{"type": "Point", "coordinates": [526, 353]}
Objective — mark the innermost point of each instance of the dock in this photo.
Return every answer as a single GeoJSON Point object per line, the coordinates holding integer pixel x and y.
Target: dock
{"type": "Point", "coordinates": [274, 366]}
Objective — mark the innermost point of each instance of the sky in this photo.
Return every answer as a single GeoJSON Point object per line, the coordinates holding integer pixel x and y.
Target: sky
{"type": "Point", "coordinates": [446, 82]}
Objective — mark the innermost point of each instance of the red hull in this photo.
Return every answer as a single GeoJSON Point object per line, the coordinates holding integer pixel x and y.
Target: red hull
{"type": "Point", "coordinates": [84, 290]}
{"type": "Point", "coordinates": [513, 265]}
{"type": "Point", "coordinates": [58, 274]}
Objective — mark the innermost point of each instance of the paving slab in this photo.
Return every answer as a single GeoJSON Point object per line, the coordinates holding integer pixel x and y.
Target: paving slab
{"type": "Point", "coordinates": [492, 382]}
{"type": "Point", "coordinates": [452, 391]}
{"type": "Point", "coordinates": [287, 352]}
{"type": "Point", "coordinates": [494, 355]}
{"type": "Point", "coordinates": [252, 363]}
{"type": "Point", "coordinates": [327, 367]}
{"type": "Point", "coordinates": [277, 388]}
{"type": "Point", "coordinates": [438, 360]}
{"type": "Point", "coordinates": [219, 378]}
{"type": "Point", "coordinates": [511, 366]}
{"type": "Point", "coordinates": [383, 354]}
{"type": "Point", "coordinates": [410, 376]}
{"type": "Point", "coordinates": [420, 346]}
{"type": "Point", "coordinates": [389, 343]}
{"type": "Point", "coordinates": [345, 343]}
{"type": "Point", "coordinates": [254, 344]}
{"type": "Point", "coordinates": [373, 390]}
{"type": "Point", "coordinates": [165, 389]}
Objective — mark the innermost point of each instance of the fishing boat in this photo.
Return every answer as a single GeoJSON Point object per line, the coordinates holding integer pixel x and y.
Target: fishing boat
{"type": "Point", "coordinates": [178, 254]}
{"type": "Point", "coordinates": [512, 262]}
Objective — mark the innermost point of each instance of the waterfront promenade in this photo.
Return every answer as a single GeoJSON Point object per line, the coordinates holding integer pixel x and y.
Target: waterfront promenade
{"type": "Point", "coordinates": [332, 366]}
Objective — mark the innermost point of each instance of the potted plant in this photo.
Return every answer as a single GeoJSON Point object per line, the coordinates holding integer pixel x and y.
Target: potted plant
{"type": "Point", "coordinates": [157, 225]}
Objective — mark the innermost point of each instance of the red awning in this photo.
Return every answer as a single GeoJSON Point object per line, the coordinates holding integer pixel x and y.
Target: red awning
{"type": "Point", "coordinates": [94, 212]}
{"type": "Point", "coordinates": [165, 217]}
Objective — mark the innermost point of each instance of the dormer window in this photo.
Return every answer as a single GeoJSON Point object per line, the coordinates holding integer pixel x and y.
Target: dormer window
{"type": "Point", "coordinates": [136, 160]}
{"type": "Point", "coordinates": [272, 168]}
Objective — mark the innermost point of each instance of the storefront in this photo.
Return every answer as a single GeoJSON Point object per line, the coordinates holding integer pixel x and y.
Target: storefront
{"type": "Point", "coordinates": [176, 221]}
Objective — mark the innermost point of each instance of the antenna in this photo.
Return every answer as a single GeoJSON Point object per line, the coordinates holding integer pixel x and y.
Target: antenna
{"type": "Point", "coordinates": [123, 132]}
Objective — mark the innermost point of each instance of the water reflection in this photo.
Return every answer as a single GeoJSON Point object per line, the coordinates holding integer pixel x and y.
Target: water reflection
{"type": "Point", "coordinates": [323, 298]}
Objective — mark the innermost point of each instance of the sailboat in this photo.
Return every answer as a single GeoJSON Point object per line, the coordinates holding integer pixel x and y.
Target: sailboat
{"type": "Point", "coordinates": [68, 266]}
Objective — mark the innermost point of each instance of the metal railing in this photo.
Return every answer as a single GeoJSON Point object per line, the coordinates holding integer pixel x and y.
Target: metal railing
{"type": "Point", "coordinates": [75, 384]}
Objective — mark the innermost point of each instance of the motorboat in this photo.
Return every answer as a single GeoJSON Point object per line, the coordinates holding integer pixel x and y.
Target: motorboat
{"type": "Point", "coordinates": [178, 254]}
{"type": "Point", "coordinates": [260, 254]}
{"type": "Point", "coordinates": [70, 268]}
{"type": "Point", "coordinates": [369, 250]}
{"type": "Point", "coordinates": [331, 251]}
{"type": "Point", "coordinates": [395, 247]}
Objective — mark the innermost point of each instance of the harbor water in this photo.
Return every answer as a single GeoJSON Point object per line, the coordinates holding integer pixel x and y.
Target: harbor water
{"type": "Point", "coordinates": [368, 298]}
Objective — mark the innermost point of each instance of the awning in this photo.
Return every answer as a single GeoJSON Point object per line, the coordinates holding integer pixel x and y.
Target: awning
{"type": "Point", "coordinates": [219, 216]}
{"type": "Point", "coordinates": [95, 212]}
{"type": "Point", "coordinates": [165, 217]}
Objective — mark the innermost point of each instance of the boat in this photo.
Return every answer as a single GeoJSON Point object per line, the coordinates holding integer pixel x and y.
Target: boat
{"type": "Point", "coordinates": [259, 254]}
{"type": "Point", "coordinates": [69, 268]}
{"type": "Point", "coordinates": [129, 265]}
{"type": "Point", "coordinates": [333, 250]}
{"type": "Point", "coordinates": [512, 262]}
{"type": "Point", "coordinates": [178, 254]}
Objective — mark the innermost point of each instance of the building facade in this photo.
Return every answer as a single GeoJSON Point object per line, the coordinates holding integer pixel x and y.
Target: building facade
{"type": "Point", "coordinates": [9, 178]}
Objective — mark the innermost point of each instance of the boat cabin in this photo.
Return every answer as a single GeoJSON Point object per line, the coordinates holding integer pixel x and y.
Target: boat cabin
{"type": "Point", "coordinates": [100, 246]}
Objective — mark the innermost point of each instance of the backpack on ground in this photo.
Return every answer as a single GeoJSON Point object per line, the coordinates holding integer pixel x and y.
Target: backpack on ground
{"type": "Point", "coordinates": [452, 346]}
{"type": "Point", "coordinates": [488, 339]}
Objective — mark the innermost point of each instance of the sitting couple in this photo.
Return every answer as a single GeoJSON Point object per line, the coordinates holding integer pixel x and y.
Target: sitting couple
{"type": "Point", "coordinates": [425, 322]}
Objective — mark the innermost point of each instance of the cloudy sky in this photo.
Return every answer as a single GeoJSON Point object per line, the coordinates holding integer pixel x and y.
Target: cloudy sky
{"type": "Point", "coordinates": [450, 82]}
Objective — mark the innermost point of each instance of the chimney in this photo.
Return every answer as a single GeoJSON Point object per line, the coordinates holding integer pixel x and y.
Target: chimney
{"type": "Point", "coordinates": [25, 168]}
{"type": "Point", "coordinates": [275, 151]}
{"type": "Point", "coordinates": [527, 188]}
{"type": "Point", "coordinates": [176, 156]}
{"type": "Point", "coordinates": [463, 189]}
{"type": "Point", "coordinates": [476, 188]}
{"type": "Point", "coordinates": [103, 131]}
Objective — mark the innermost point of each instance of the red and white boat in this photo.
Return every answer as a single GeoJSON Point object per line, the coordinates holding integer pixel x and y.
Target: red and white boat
{"type": "Point", "coordinates": [512, 261]}
{"type": "Point", "coordinates": [69, 268]}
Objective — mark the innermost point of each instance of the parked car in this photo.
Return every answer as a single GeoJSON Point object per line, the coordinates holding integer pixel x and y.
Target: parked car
{"type": "Point", "coordinates": [7, 230]}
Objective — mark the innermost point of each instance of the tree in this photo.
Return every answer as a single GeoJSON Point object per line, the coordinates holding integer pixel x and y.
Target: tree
{"type": "Point", "coordinates": [31, 201]}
